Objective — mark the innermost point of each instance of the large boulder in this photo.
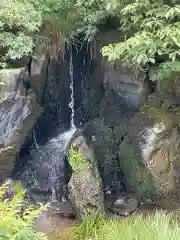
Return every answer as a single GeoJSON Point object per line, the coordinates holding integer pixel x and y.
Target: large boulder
{"type": "Point", "coordinates": [19, 112]}
{"type": "Point", "coordinates": [85, 185]}
{"type": "Point", "coordinates": [131, 87]}
{"type": "Point", "coordinates": [124, 205]}
{"type": "Point", "coordinates": [125, 89]}
{"type": "Point", "coordinates": [104, 143]}
{"type": "Point", "coordinates": [112, 88]}
{"type": "Point", "coordinates": [125, 92]}
{"type": "Point", "coordinates": [149, 154]}
{"type": "Point", "coordinates": [8, 156]}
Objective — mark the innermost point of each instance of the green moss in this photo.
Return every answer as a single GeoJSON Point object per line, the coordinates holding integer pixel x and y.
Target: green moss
{"type": "Point", "coordinates": [108, 137]}
{"type": "Point", "coordinates": [76, 160]}
{"type": "Point", "coordinates": [136, 176]}
{"type": "Point", "coordinates": [91, 104]}
{"type": "Point", "coordinates": [79, 164]}
{"type": "Point", "coordinates": [168, 116]}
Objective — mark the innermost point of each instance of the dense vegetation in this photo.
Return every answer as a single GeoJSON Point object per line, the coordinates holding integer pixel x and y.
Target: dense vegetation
{"type": "Point", "coordinates": [155, 227]}
{"type": "Point", "coordinates": [17, 219]}
{"type": "Point", "coordinates": [16, 216]}
{"type": "Point", "coordinates": [155, 40]}
{"type": "Point", "coordinates": [151, 29]}
{"type": "Point", "coordinates": [18, 20]}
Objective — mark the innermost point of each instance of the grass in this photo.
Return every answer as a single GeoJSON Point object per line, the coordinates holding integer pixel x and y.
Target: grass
{"type": "Point", "coordinates": [160, 226]}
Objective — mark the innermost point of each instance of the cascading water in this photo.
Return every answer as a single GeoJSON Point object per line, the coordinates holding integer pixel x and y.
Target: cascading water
{"type": "Point", "coordinates": [71, 104]}
{"type": "Point", "coordinates": [46, 174]}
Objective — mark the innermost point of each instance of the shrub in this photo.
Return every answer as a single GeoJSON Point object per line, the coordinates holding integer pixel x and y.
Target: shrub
{"type": "Point", "coordinates": [152, 37]}
{"type": "Point", "coordinates": [16, 216]}
{"type": "Point", "coordinates": [18, 20]}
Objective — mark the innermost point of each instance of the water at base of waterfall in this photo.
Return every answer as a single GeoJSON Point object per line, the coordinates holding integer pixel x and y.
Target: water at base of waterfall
{"type": "Point", "coordinates": [47, 173]}
{"type": "Point", "coordinates": [58, 144]}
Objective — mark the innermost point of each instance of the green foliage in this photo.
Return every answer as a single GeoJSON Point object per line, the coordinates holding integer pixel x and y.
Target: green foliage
{"type": "Point", "coordinates": [86, 229]}
{"type": "Point", "coordinates": [18, 19]}
{"type": "Point", "coordinates": [155, 38]}
{"type": "Point", "coordinates": [76, 160]}
{"type": "Point", "coordinates": [60, 18]}
{"type": "Point", "coordinates": [17, 217]}
{"type": "Point", "coordinates": [165, 70]}
{"type": "Point", "coordinates": [151, 29]}
{"type": "Point", "coordinates": [96, 12]}
{"type": "Point", "coordinates": [22, 22]}
{"type": "Point", "coordinates": [155, 227]}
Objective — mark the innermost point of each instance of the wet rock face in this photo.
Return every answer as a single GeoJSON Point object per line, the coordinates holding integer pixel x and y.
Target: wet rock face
{"type": "Point", "coordinates": [114, 89]}
{"type": "Point", "coordinates": [149, 153]}
{"type": "Point", "coordinates": [47, 80]}
{"type": "Point", "coordinates": [85, 185]}
{"type": "Point", "coordinates": [125, 90]}
{"type": "Point", "coordinates": [18, 116]}
{"type": "Point", "coordinates": [50, 79]}
{"type": "Point", "coordinates": [12, 82]}
{"type": "Point", "coordinates": [131, 87]}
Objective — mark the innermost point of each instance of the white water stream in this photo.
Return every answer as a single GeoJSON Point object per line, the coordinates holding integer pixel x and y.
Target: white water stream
{"type": "Point", "coordinates": [71, 104]}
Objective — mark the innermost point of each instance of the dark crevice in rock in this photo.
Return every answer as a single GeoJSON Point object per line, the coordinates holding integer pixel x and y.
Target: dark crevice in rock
{"type": "Point", "coordinates": [46, 80]}
{"type": "Point", "coordinates": [29, 66]}
{"type": "Point", "coordinates": [151, 84]}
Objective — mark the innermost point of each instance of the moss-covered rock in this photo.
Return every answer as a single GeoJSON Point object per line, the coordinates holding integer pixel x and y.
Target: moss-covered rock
{"type": "Point", "coordinates": [149, 154]}
{"type": "Point", "coordinates": [85, 185]}
{"type": "Point", "coordinates": [103, 141]}
{"type": "Point", "coordinates": [136, 177]}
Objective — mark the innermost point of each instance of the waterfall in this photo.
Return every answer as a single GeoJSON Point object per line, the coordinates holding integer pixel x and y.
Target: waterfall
{"type": "Point", "coordinates": [58, 145]}
{"type": "Point", "coordinates": [46, 171]}
{"type": "Point", "coordinates": [71, 104]}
